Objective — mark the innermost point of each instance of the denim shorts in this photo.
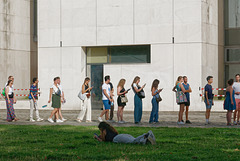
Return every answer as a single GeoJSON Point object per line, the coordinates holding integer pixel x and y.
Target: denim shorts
{"type": "Point", "coordinates": [107, 104]}
{"type": "Point", "coordinates": [210, 103]}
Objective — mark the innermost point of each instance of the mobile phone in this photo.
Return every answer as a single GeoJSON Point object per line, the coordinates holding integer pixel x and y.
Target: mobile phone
{"type": "Point", "coordinates": [129, 89]}
{"type": "Point", "coordinates": [145, 84]}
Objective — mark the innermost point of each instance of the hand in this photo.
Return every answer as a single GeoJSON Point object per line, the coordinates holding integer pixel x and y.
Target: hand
{"type": "Point", "coordinates": [9, 101]}
{"type": "Point", "coordinates": [212, 103]}
{"type": "Point", "coordinates": [143, 85]}
{"type": "Point", "coordinates": [160, 90]}
{"type": "Point", "coordinates": [49, 101]}
{"type": "Point", "coordinates": [62, 101]}
{"type": "Point", "coordinates": [91, 88]}
{"type": "Point", "coordinates": [125, 92]}
{"type": "Point", "coordinates": [34, 100]}
{"type": "Point", "coordinates": [232, 103]}
{"type": "Point", "coordinates": [208, 103]}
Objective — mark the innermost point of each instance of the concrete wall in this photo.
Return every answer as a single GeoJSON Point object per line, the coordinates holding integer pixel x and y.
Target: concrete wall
{"type": "Point", "coordinates": [82, 23]}
{"type": "Point", "coordinates": [15, 42]}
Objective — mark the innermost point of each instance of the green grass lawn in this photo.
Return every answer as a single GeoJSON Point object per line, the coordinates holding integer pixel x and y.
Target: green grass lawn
{"type": "Point", "coordinates": [76, 143]}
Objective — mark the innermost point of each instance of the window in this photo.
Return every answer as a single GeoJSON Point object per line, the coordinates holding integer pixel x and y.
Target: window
{"type": "Point", "coordinates": [119, 54]}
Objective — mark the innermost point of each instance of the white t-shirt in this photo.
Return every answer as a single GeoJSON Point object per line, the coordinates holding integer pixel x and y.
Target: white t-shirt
{"type": "Point", "coordinates": [6, 86]}
{"type": "Point", "coordinates": [55, 89]}
{"type": "Point", "coordinates": [108, 89]}
{"type": "Point", "coordinates": [236, 88]}
{"type": "Point", "coordinates": [135, 86]}
{"type": "Point", "coordinates": [10, 90]}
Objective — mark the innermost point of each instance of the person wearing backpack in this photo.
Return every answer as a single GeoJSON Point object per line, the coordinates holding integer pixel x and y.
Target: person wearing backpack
{"type": "Point", "coordinates": [155, 101]}
{"type": "Point", "coordinates": [139, 95]}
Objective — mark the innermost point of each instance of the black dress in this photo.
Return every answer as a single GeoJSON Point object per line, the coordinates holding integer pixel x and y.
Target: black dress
{"type": "Point", "coordinates": [119, 99]}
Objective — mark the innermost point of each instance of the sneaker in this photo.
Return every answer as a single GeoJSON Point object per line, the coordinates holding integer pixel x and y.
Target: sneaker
{"type": "Point", "coordinates": [100, 119]}
{"type": "Point", "coordinates": [151, 137]}
{"type": "Point", "coordinates": [39, 119]}
{"type": "Point", "coordinates": [180, 123]}
{"type": "Point", "coordinates": [50, 120]}
{"type": "Point", "coordinates": [235, 123]}
{"type": "Point", "coordinates": [59, 121]}
{"type": "Point", "coordinates": [78, 120]}
{"type": "Point", "coordinates": [88, 121]}
{"type": "Point", "coordinates": [63, 119]}
{"type": "Point", "coordinates": [32, 120]}
{"type": "Point", "coordinates": [188, 122]}
{"type": "Point", "coordinates": [120, 122]}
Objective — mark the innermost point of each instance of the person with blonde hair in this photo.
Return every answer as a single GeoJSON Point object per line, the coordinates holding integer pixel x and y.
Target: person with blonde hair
{"type": "Point", "coordinates": [121, 92]}
{"type": "Point", "coordinates": [139, 95]}
{"type": "Point", "coordinates": [181, 98]}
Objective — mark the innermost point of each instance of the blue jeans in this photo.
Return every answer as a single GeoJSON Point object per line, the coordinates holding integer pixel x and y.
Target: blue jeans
{"type": "Point", "coordinates": [137, 109]}
{"type": "Point", "coordinates": [129, 139]}
{"type": "Point", "coordinates": [154, 113]}
{"type": "Point", "coordinates": [210, 103]}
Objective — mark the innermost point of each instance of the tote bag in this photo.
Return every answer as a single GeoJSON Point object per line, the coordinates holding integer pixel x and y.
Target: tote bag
{"type": "Point", "coordinates": [180, 97]}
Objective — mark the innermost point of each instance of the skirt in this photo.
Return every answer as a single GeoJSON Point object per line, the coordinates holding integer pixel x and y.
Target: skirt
{"type": "Point", "coordinates": [56, 101]}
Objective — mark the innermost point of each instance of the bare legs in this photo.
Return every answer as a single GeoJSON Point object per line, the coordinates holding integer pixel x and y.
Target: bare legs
{"type": "Point", "coordinates": [236, 115]}
{"type": "Point", "coordinates": [54, 112]}
{"type": "Point", "coordinates": [229, 117]}
{"type": "Point", "coordinates": [120, 113]}
{"type": "Point", "coordinates": [186, 112]}
{"type": "Point", "coordinates": [106, 112]}
{"type": "Point", "coordinates": [180, 114]}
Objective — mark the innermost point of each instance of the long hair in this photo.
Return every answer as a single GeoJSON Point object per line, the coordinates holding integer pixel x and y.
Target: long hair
{"type": "Point", "coordinates": [105, 126]}
{"type": "Point", "coordinates": [178, 79]}
{"type": "Point", "coordinates": [9, 82]}
{"type": "Point", "coordinates": [121, 83]}
{"type": "Point", "coordinates": [155, 84]}
{"type": "Point", "coordinates": [135, 79]}
{"type": "Point", "coordinates": [86, 79]}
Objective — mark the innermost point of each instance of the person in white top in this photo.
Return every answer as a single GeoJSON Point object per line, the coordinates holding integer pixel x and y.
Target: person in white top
{"type": "Point", "coordinates": [10, 101]}
{"type": "Point", "coordinates": [86, 103]}
{"type": "Point", "coordinates": [236, 88]}
{"type": "Point", "coordinates": [55, 96]}
{"type": "Point", "coordinates": [107, 101]}
{"type": "Point", "coordinates": [62, 100]}
{"type": "Point", "coordinates": [11, 78]}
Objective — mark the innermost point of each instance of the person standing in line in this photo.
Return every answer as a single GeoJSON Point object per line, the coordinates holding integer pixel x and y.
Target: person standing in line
{"type": "Point", "coordinates": [62, 100]}
{"type": "Point", "coordinates": [86, 104]}
{"type": "Point", "coordinates": [155, 103]}
{"type": "Point", "coordinates": [137, 100]}
{"type": "Point", "coordinates": [106, 98]}
{"type": "Point", "coordinates": [229, 103]}
{"type": "Point", "coordinates": [11, 78]}
{"type": "Point", "coordinates": [187, 104]}
{"type": "Point", "coordinates": [55, 97]}
{"type": "Point", "coordinates": [236, 88]}
{"type": "Point", "coordinates": [180, 98]}
{"type": "Point", "coordinates": [33, 100]}
{"type": "Point", "coordinates": [10, 101]}
{"type": "Point", "coordinates": [121, 92]}
{"type": "Point", "coordinates": [208, 95]}
{"type": "Point", "coordinates": [112, 103]}
{"type": "Point", "coordinates": [110, 134]}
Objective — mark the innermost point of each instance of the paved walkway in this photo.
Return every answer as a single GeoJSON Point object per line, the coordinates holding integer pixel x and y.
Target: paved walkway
{"type": "Point", "coordinates": [167, 119]}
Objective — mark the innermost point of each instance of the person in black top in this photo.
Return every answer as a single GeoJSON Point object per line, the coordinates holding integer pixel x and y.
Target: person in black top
{"type": "Point", "coordinates": [121, 92]}
{"type": "Point", "coordinates": [110, 134]}
{"type": "Point", "coordinates": [112, 103]}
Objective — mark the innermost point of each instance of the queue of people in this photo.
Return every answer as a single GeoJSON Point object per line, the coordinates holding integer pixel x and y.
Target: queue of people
{"type": "Point", "coordinates": [182, 89]}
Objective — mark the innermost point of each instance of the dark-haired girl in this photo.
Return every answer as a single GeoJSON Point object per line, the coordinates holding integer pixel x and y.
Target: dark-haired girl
{"type": "Point", "coordinates": [110, 134]}
{"type": "Point", "coordinates": [155, 104]}
{"type": "Point", "coordinates": [9, 102]}
{"type": "Point", "coordinates": [230, 103]}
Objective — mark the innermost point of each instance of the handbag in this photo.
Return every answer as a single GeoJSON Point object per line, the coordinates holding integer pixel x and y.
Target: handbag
{"type": "Point", "coordinates": [159, 98]}
{"type": "Point", "coordinates": [180, 97]}
{"type": "Point", "coordinates": [82, 96]}
{"type": "Point", "coordinates": [141, 94]}
{"type": "Point", "coordinates": [3, 92]}
{"type": "Point", "coordinates": [124, 99]}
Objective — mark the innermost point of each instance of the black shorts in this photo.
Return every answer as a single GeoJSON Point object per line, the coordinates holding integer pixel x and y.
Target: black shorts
{"type": "Point", "coordinates": [187, 103]}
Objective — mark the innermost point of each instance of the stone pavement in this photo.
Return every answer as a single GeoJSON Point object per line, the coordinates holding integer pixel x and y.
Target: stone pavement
{"type": "Point", "coordinates": [167, 119]}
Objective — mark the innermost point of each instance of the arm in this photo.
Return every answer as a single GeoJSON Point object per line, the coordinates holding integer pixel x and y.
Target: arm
{"type": "Point", "coordinates": [118, 91]}
{"type": "Point", "coordinates": [182, 88]}
{"type": "Point", "coordinates": [50, 95]}
{"type": "Point", "coordinates": [155, 93]}
{"type": "Point", "coordinates": [231, 92]}
{"type": "Point", "coordinates": [6, 93]}
{"type": "Point", "coordinates": [138, 90]}
{"type": "Point", "coordinates": [189, 90]}
{"type": "Point", "coordinates": [33, 97]}
{"type": "Point", "coordinates": [105, 93]}
{"type": "Point", "coordinates": [206, 96]}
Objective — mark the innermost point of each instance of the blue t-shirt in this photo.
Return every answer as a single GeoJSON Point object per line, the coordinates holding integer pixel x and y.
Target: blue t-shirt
{"type": "Point", "coordinates": [186, 86]}
{"type": "Point", "coordinates": [208, 88]}
{"type": "Point", "coordinates": [33, 89]}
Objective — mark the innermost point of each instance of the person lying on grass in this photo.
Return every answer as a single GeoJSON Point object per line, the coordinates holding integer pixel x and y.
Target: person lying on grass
{"type": "Point", "coordinates": [110, 134]}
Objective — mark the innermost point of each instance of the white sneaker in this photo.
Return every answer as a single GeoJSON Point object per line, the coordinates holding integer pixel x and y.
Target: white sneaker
{"type": "Point", "coordinates": [151, 137]}
{"type": "Point", "coordinates": [59, 121]}
{"type": "Point", "coordinates": [50, 120]}
{"type": "Point", "coordinates": [100, 119]}
{"type": "Point", "coordinates": [63, 119]}
{"type": "Point", "coordinates": [121, 122]}
{"type": "Point", "coordinates": [32, 120]}
{"type": "Point", "coordinates": [39, 119]}
{"type": "Point", "coordinates": [78, 120]}
{"type": "Point", "coordinates": [180, 123]}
